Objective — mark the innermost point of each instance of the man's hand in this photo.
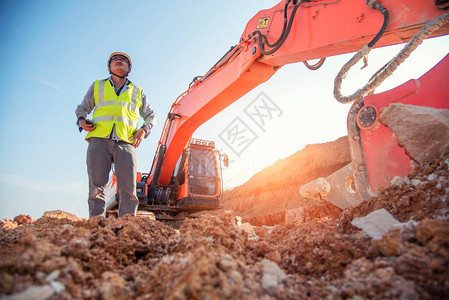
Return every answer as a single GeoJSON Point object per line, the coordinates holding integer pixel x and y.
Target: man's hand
{"type": "Point", "coordinates": [86, 124]}
{"type": "Point", "coordinates": [138, 137]}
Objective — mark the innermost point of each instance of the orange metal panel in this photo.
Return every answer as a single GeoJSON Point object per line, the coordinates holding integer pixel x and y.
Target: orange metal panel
{"type": "Point", "coordinates": [183, 190]}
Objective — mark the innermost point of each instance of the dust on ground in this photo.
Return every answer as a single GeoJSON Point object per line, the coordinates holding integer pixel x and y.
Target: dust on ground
{"type": "Point", "coordinates": [61, 256]}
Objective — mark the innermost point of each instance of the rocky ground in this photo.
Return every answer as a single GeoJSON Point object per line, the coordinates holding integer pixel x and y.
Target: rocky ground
{"type": "Point", "coordinates": [60, 256]}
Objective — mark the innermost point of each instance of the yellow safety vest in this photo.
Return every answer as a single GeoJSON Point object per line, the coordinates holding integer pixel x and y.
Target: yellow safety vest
{"type": "Point", "coordinates": [110, 109]}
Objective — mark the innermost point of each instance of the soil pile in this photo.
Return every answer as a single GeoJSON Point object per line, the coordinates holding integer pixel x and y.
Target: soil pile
{"type": "Point", "coordinates": [269, 194]}
{"type": "Point", "coordinates": [217, 257]}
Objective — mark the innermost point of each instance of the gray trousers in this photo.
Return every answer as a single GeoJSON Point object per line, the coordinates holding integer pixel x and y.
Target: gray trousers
{"type": "Point", "coordinates": [101, 153]}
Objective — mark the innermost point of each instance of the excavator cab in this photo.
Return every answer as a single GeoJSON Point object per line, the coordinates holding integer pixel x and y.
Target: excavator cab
{"type": "Point", "coordinates": [199, 176]}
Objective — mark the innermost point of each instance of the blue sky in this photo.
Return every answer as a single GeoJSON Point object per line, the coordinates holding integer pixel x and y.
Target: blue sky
{"type": "Point", "coordinates": [53, 50]}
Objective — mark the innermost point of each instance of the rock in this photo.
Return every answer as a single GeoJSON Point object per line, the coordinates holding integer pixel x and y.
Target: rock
{"type": "Point", "coordinates": [422, 131]}
{"type": "Point", "coordinates": [33, 292]}
{"type": "Point", "coordinates": [248, 228]}
{"type": "Point", "coordinates": [430, 229]}
{"type": "Point", "coordinates": [227, 263]}
{"type": "Point", "coordinates": [113, 286]}
{"type": "Point", "coordinates": [18, 220]}
{"type": "Point", "coordinates": [304, 214]}
{"type": "Point", "coordinates": [59, 214]}
{"type": "Point", "coordinates": [390, 244]}
{"type": "Point", "coordinates": [52, 276]}
{"type": "Point", "coordinates": [376, 224]}
{"type": "Point", "coordinates": [272, 276]}
{"type": "Point", "coordinates": [24, 219]}
{"type": "Point", "coordinates": [57, 287]}
{"type": "Point", "coordinates": [8, 224]}
{"type": "Point", "coordinates": [269, 283]}
{"type": "Point", "coordinates": [432, 176]}
{"type": "Point", "coordinates": [407, 180]}
{"type": "Point", "coordinates": [416, 182]}
{"type": "Point", "coordinates": [396, 181]}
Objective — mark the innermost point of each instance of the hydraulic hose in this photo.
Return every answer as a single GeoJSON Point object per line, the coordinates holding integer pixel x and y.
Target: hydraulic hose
{"type": "Point", "coordinates": [442, 4]}
{"type": "Point", "coordinates": [224, 59]}
{"type": "Point", "coordinates": [283, 28]}
{"type": "Point", "coordinates": [362, 53]}
{"type": "Point", "coordinates": [283, 36]}
{"type": "Point", "coordinates": [315, 66]}
{"type": "Point", "coordinates": [390, 67]}
{"type": "Point", "coordinates": [381, 32]}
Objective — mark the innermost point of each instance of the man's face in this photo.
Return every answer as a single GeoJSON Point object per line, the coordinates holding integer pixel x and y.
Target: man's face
{"type": "Point", "coordinates": [119, 65]}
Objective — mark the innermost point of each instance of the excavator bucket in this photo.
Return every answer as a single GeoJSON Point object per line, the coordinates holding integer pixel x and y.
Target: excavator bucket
{"type": "Point", "coordinates": [383, 149]}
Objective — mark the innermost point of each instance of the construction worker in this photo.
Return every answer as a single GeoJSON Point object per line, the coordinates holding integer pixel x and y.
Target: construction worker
{"type": "Point", "coordinates": [113, 135]}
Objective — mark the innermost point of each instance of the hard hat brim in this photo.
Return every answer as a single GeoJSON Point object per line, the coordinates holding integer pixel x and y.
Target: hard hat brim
{"type": "Point", "coordinates": [120, 54]}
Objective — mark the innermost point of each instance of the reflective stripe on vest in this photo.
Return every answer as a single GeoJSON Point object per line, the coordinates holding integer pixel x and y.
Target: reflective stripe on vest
{"type": "Point", "coordinates": [110, 109]}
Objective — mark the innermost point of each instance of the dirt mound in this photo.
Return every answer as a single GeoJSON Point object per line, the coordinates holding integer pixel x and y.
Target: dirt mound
{"type": "Point", "coordinates": [19, 220]}
{"type": "Point", "coordinates": [83, 256]}
{"type": "Point", "coordinates": [318, 254]}
{"type": "Point", "coordinates": [266, 197]}
{"type": "Point", "coordinates": [218, 257]}
{"type": "Point", "coordinates": [422, 194]}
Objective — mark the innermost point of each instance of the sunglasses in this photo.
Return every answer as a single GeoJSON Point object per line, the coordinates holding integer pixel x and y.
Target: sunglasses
{"type": "Point", "coordinates": [119, 58]}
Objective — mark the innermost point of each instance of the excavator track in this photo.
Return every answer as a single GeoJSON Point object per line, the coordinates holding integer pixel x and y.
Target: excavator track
{"type": "Point", "coordinates": [171, 216]}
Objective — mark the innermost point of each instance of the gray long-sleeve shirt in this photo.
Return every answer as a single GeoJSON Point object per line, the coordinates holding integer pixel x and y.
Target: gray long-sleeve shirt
{"type": "Point", "coordinates": [145, 111]}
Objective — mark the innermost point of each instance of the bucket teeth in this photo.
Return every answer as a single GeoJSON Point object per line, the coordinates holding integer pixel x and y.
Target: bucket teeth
{"type": "Point", "coordinates": [316, 189]}
{"type": "Point", "coordinates": [336, 188]}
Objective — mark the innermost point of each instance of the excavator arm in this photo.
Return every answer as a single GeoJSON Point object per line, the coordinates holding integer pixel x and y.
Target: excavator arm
{"type": "Point", "coordinates": [291, 31]}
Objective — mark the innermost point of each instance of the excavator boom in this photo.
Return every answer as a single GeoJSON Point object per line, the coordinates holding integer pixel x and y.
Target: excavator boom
{"type": "Point", "coordinates": [291, 31]}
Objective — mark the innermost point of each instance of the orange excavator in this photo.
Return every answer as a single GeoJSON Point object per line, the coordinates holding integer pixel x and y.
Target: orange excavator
{"type": "Point", "coordinates": [186, 173]}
